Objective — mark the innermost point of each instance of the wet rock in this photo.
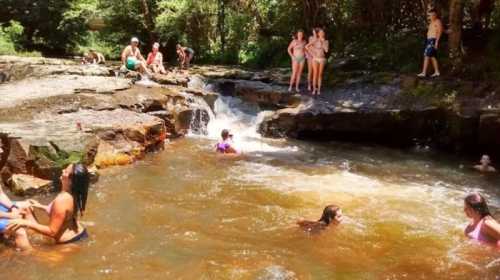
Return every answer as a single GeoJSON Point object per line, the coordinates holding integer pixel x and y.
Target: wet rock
{"type": "Point", "coordinates": [489, 132]}
{"type": "Point", "coordinates": [321, 120]}
{"type": "Point", "coordinates": [171, 78]}
{"type": "Point", "coordinates": [260, 93]}
{"type": "Point", "coordinates": [22, 184]}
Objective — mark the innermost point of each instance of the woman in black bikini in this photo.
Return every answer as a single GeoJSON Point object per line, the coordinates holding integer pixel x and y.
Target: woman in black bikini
{"type": "Point", "coordinates": [64, 211]}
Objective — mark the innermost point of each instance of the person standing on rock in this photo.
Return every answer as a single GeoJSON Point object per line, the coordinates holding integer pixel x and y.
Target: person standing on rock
{"type": "Point", "coordinates": [434, 33]}
{"type": "Point", "coordinates": [309, 58]}
{"type": "Point", "coordinates": [318, 48]}
{"type": "Point", "coordinates": [296, 50]}
{"type": "Point", "coordinates": [64, 211]}
{"type": "Point", "coordinates": [132, 58]}
{"type": "Point", "coordinates": [155, 60]}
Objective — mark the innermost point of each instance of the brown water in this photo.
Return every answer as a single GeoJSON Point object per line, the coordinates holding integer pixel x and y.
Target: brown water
{"type": "Point", "coordinates": [186, 214]}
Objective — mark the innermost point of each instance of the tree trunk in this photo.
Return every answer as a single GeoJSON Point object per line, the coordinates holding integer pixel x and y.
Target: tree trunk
{"type": "Point", "coordinates": [148, 23]}
{"type": "Point", "coordinates": [455, 33]}
{"type": "Point", "coordinates": [221, 19]}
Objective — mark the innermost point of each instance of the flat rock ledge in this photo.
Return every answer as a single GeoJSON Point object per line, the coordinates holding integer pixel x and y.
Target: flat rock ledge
{"type": "Point", "coordinates": [66, 112]}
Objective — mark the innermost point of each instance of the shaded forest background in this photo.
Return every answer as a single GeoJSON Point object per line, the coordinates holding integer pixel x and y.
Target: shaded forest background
{"type": "Point", "coordinates": [382, 35]}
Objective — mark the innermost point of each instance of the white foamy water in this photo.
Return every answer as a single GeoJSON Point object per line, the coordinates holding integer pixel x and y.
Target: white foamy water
{"type": "Point", "coordinates": [242, 120]}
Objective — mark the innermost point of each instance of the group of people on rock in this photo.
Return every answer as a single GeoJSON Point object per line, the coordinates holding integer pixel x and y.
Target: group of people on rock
{"type": "Point", "coordinates": [133, 60]}
{"type": "Point", "coordinates": [63, 213]}
{"type": "Point", "coordinates": [482, 227]}
{"type": "Point", "coordinates": [313, 53]}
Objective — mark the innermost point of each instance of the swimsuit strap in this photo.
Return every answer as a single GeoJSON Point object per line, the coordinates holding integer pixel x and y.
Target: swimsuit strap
{"type": "Point", "coordinates": [476, 233]}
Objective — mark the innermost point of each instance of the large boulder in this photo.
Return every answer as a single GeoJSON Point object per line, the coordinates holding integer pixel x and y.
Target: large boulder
{"type": "Point", "coordinates": [22, 184]}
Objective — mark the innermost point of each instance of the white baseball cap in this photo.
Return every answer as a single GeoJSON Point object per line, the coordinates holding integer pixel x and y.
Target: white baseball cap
{"type": "Point", "coordinates": [134, 40]}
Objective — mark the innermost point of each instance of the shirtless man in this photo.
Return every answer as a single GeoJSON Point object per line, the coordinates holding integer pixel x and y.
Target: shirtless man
{"type": "Point", "coordinates": [132, 58]}
{"type": "Point", "coordinates": [485, 165]}
{"type": "Point", "coordinates": [432, 44]}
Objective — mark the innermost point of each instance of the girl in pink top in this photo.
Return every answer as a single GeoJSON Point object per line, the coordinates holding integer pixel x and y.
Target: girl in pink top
{"type": "Point", "coordinates": [483, 227]}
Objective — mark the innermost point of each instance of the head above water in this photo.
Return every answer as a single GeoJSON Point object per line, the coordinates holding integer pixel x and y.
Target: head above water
{"type": "Point", "coordinates": [156, 46]}
{"type": "Point", "coordinates": [331, 214]}
{"type": "Point", "coordinates": [485, 160]}
{"type": "Point", "coordinates": [225, 134]}
{"type": "Point", "coordinates": [75, 179]}
{"type": "Point", "coordinates": [476, 203]}
{"type": "Point", "coordinates": [178, 46]}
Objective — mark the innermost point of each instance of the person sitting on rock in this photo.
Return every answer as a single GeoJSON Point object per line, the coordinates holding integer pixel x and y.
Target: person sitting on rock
{"type": "Point", "coordinates": [93, 57]}
{"type": "Point", "coordinates": [132, 58]}
{"type": "Point", "coordinates": [155, 60]}
{"type": "Point", "coordinates": [64, 211]}
{"type": "Point", "coordinates": [225, 147]}
{"type": "Point", "coordinates": [485, 165]}
{"type": "Point", "coordinates": [8, 212]}
{"type": "Point", "coordinates": [332, 215]}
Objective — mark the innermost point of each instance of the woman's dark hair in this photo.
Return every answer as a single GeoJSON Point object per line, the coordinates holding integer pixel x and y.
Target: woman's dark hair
{"type": "Point", "coordinates": [329, 214]}
{"type": "Point", "coordinates": [478, 204]}
{"type": "Point", "coordinates": [80, 180]}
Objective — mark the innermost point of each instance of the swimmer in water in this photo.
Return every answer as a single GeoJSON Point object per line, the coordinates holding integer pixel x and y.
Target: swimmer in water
{"type": "Point", "coordinates": [483, 227]}
{"type": "Point", "coordinates": [224, 147]}
{"type": "Point", "coordinates": [485, 165]}
{"type": "Point", "coordinates": [332, 215]}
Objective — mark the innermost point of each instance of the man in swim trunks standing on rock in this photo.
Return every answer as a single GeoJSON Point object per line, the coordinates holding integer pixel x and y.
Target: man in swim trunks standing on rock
{"type": "Point", "coordinates": [133, 59]}
{"type": "Point", "coordinates": [432, 44]}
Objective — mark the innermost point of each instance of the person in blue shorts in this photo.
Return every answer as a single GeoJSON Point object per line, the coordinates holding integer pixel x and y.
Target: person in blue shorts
{"type": "Point", "coordinates": [432, 44]}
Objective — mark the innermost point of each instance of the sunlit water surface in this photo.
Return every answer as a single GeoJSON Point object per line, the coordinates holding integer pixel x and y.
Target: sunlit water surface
{"type": "Point", "coordinates": [187, 213]}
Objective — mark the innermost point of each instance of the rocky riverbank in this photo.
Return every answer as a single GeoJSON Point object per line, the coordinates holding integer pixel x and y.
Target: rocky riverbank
{"type": "Point", "coordinates": [390, 109]}
{"type": "Point", "coordinates": [56, 111]}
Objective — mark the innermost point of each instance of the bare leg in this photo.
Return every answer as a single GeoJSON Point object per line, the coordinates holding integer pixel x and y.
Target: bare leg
{"type": "Point", "coordinates": [321, 68]}
{"type": "Point", "coordinates": [435, 64]}
{"type": "Point", "coordinates": [315, 77]}
{"type": "Point", "coordinates": [292, 76]}
{"type": "Point", "coordinates": [299, 76]}
{"type": "Point", "coordinates": [309, 73]}
{"type": "Point", "coordinates": [426, 65]}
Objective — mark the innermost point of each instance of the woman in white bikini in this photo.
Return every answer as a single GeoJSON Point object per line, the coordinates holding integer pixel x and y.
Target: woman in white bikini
{"type": "Point", "coordinates": [318, 48]}
{"type": "Point", "coordinates": [296, 50]}
{"type": "Point", "coordinates": [309, 58]}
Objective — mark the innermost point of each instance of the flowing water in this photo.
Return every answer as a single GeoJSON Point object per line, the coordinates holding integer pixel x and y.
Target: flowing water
{"type": "Point", "coordinates": [187, 213]}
